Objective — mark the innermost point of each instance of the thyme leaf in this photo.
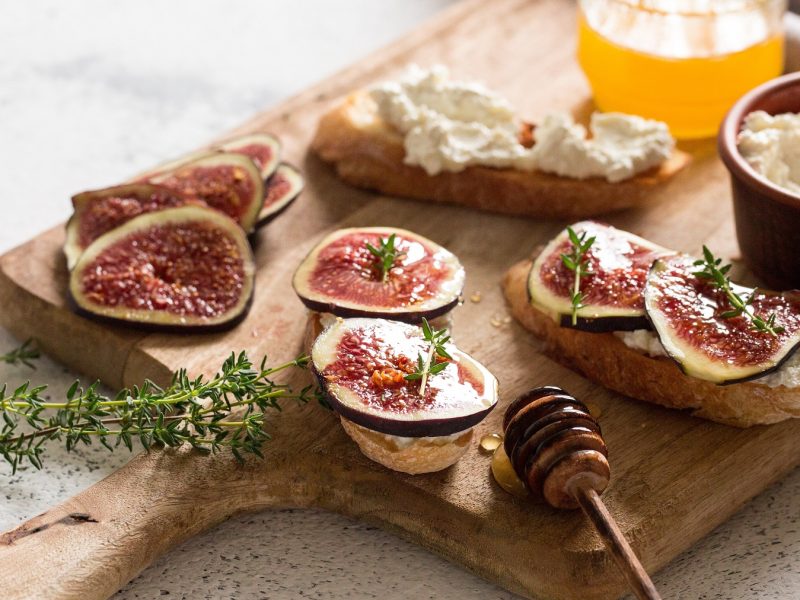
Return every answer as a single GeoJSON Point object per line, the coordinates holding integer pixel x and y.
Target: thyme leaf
{"type": "Point", "coordinates": [425, 369]}
{"type": "Point", "coordinates": [22, 355]}
{"type": "Point", "coordinates": [717, 275]}
{"type": "Point", "coordinates": [386, 253]}
{"type": "Point", "coordinates": [196, 411]}
{"type": "Point", "coordinates": [576, 261]}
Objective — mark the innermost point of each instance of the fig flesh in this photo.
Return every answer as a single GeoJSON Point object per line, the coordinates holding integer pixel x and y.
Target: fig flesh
{"type": "Point", "coordinates": [178, 268]}
{"type": "Point", "coordinates": [361, 365]}
{"type": "Point", "coordinates": [343, 277]}
{"type": "Point", "coordinates": [262, 148]}
{"type": "Point", "coordinates": [618, 263]}
{"type": "Point", "coordinates": [229, 183]}
{"type": "Point", "coordinates": [281, 190]}
{"type": "Point", "coordinates": [100, 211]}
{"type": "Point", "coordinates": [688, 314]}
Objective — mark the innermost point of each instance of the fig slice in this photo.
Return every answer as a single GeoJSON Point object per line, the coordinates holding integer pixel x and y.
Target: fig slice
{"type": "Point", "coordinates": [262, 148]}
{"type": "Point", "coordinates": [687, 314]}
{"type": "Point", "coordinates": [229, 183]}
{"type": "Point", "coordinates": [100, 211]}
{"type": "Point", "coordinates": [361, 364]}
{"type": "Point", "coordinates": [618, 263]}
{"type": "Point", "coordinates": [178, 268]}
{"type": "Point", "coordinates": [341, 276]}
{"type": "Point", "coordinates": [281, 190]}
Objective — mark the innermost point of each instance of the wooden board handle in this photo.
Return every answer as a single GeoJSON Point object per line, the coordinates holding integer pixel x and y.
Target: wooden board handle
{"type": "Point", "coordinates": [91, 545]}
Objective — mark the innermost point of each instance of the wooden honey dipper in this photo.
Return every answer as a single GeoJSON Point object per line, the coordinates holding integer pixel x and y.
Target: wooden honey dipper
{"type": "Point", "coordinates": [556, 448]}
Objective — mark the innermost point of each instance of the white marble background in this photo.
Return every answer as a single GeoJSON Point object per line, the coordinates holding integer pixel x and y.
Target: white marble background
{"type": "Point", "coordinates": [92, 91]}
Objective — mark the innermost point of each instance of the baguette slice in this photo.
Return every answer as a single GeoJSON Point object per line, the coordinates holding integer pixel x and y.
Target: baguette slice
{"type": "Point", "coordinates": [367, 152]}
{"type": "Point", "coordinates": [605, 359]}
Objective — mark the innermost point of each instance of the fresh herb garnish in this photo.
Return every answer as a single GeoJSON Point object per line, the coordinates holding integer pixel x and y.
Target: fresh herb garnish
{"type": "Point", "coordinates": [717, 274]}
{"type": "Point", "coordinates": [386, 253]}
{"type": "Point", "coordinates": [24, 354]}
{"type": "Point", "coordinates": [576, 261]}
{"type": "Point", "coordinates": [424, 369]}
{"type": "Point", "coordinates": [198, 412]}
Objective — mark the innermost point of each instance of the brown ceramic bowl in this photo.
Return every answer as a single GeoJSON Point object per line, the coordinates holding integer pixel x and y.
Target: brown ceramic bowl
{"type": "Point", "coordinates": [767, 216]}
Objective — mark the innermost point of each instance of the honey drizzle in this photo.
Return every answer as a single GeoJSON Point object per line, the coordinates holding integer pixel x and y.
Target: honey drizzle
{"type": "Point", "coordinates": [490, 442]}
{"type": "Point", "coordinates": [504, 474]}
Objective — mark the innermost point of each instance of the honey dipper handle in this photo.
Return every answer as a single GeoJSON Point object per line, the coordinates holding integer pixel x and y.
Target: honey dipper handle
{"type": "Point", "coordinates": [615, 542]}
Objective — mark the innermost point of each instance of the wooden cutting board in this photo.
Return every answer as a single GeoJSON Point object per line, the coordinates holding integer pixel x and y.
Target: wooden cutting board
{"type": "Point", "coordinates": [674, 477]}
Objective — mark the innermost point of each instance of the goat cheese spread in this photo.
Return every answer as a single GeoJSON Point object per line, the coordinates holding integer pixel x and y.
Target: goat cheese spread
{"type": "Point", "coordinates": [643, 341]}
{"type": "Point", "coordinates": [648, 343]}
{"type": "Point", "coordinates": [449, 125]}
{"type": "Point", "coordinates": [788, 375]}
{"type": "Point", "coordinates": [441, 440]}
{"type": "Point", "coordinates": [771, 145]}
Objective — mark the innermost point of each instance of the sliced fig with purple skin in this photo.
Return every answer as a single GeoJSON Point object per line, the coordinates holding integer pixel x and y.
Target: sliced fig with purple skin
{"type": "Point", "coordinates": [178, 268]}
{"type": "Point", "coordinates": [342, 276]}
{"type": "Point", "coordinates": [262, 148]}
{"type": "Point", "coordinates": [281, 190]}
{"type": "Point", "coordinates": [361, 366]}
{"type": "Point", "coordinates": [100, 211]}
{"type": "Point", "coordinates": [689, 315]}
{"type": "Point", "coordinates": [618, 263]}
{"type": "Point", "coordinates": [229, 183]}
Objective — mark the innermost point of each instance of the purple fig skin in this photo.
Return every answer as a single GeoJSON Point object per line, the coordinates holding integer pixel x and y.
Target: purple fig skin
{"type": "Point", "coordinates": [347, 313]}
{"type": "Point", "coordinates": [157, 320]}
{"type": "Point", "coordinates": [413, 315]}
{"type": "Point", "coordinates": [235, 320]}
{"type": "Point", "coordinates": [601, 324]}
{"type": "Point", "coordinates": [608, 318]}
{"type": "Point", "coordinates": [229, 145]}
{"type": "Point", "coordinates": [267, 215]}
{"type": "Point", "coordinates": [423, 428]}
{"type": "Point", "coordinates": [750, 378]}
{"type": "Point", "coordinates": [85, 201]}
{"type": "Point", "coordinates": [247, 218]}
{"type": "Point", "coordinates": [457, 411]}
{"type": "Point", "coordinates": [260, 139]}
{"type": "Point", "coordinates": [606, 324]}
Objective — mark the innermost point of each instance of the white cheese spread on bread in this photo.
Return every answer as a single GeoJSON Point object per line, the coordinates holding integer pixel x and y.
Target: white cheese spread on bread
{"type": "Point", "coordinates": [620, 146]}
{"type": "Point", "coordinates": [647, 342]}
{"type": "Point", "coordinates": [405, 442]}
{"type": "Point", "coordinates": [643, 341]}
{"type": "Point", "coordinates": [771, 145]}
{"type": "Point", "coordinates": [449, 125]}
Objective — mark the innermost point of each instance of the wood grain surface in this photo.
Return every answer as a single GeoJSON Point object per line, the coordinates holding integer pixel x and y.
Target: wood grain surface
{"type": "Point", "coordinates": [674, 477]}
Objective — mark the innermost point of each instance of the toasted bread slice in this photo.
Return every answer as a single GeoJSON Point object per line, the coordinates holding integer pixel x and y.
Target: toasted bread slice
{"type": "Point", "coordinates": [605, 359]}
{"type": "Point", "coordinates": [369, 153]}
{"type": "Point", "coordinates": [422, 455]}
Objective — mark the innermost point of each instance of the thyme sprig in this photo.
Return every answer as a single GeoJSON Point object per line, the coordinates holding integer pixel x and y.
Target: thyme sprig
{"type": "Point", "coordinates": [425, 369]}
{"type": "Point", "coordinates": [387, 254]}
{"type": "Point", "coordinates": [576, 261]}
{"type": "Point", "coordinates": [717, 274]}
{"type": "Point", "coordinates": [22, 355]}
{"type": "Point", "coordinates": [198, 412]}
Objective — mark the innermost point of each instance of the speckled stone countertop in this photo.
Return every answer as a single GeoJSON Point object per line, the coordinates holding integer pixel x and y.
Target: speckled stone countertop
{"type": "Point", "coordinates": [93, 91]}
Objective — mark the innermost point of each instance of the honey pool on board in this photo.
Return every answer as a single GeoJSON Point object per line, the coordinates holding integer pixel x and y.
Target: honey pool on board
{"type": "Point", "coordinates": [686, 75]}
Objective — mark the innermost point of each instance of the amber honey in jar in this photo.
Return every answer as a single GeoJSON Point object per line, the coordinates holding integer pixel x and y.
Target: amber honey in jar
{"type": "Point", "coordinates": [684, 62]}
